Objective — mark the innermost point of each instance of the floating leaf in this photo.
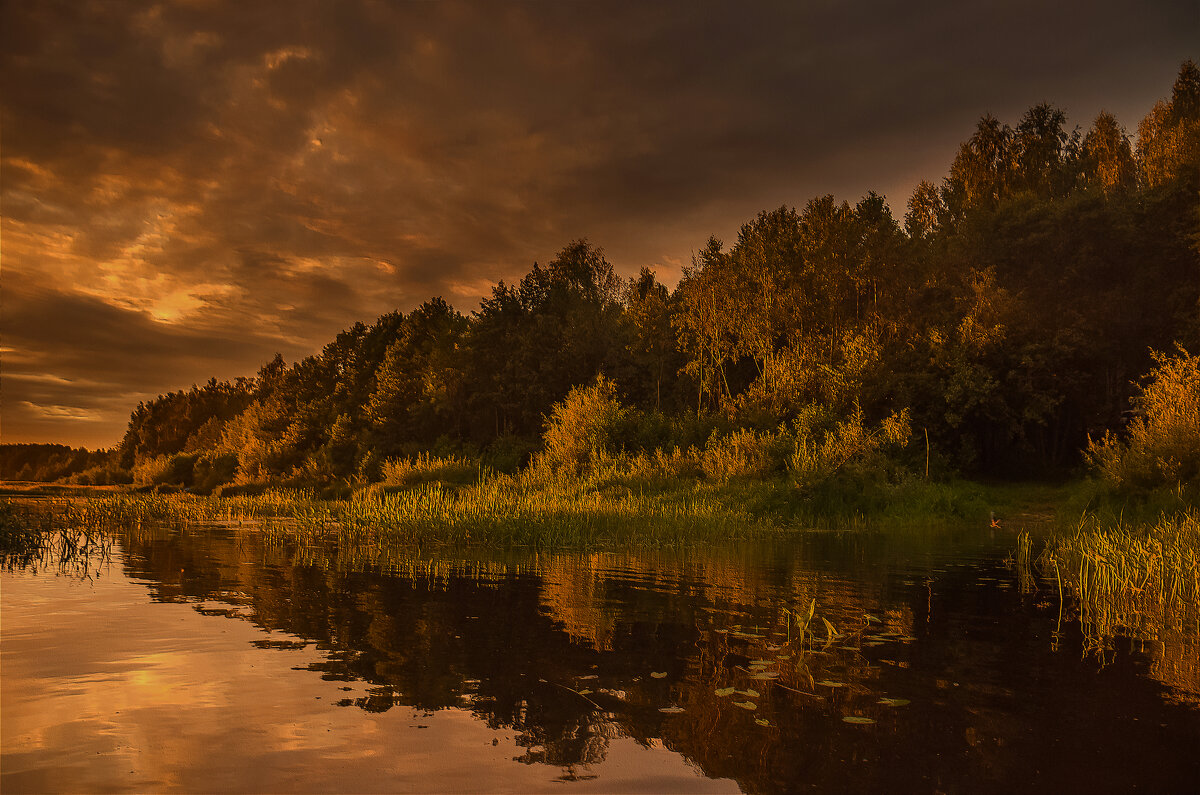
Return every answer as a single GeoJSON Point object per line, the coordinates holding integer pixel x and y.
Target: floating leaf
{"type": "Point", "coordinates": [762, 721]}
{"type": "Point", "coordinates": [658, 674]}
{"type": "Point", "coordinates": [894, 702]}
{"type": "Point", "coordinates": [749, 692]}
{"type": "Point", "coordinates": [831, 683]}
{"type": "Point", "coordinates": [858, 720]}
{"type": "Point", "coordinates": [761, 663]}
{"type": "Point", "coordinates": [589, 676]}
{"type": "Point", "coordinates": [722, 631]}
{"type": "Point", "coordinates": [584, 692]}
{"type": "Point", "coordinates": [784, 657]}
{"type": "Point", "coordinates": [746, 704]}
{"type": "Point", "coordinates": [765, 675]}
{"type": "Point", "coordinates": [671, 710]}
{"type": "Point", "coordinates": [725, 691]}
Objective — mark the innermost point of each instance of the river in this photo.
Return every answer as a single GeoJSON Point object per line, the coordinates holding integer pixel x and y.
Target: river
{"type": "Point", "coordinates": [211, 661]}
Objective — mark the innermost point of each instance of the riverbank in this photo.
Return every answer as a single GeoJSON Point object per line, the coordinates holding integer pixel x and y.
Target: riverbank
{"type": "Point", "coordinates": [612, 512]}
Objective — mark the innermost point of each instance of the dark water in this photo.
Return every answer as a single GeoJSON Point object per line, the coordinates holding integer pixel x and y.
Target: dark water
{"type": "Point", "coordinates": [208, 662]}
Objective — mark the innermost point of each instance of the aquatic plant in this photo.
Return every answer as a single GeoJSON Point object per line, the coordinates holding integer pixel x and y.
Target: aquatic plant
{"type": "Point", "coordinates": [30, 541]}
{"type": "Point", "coordinates": [1140, 582]}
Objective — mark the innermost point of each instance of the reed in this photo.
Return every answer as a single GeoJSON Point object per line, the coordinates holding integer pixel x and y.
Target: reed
{"type": "Point", "coordinates": [1140, 581]}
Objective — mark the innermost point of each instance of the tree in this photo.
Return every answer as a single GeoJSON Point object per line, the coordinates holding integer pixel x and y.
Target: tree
{"type": "Point", "coordinates": [1107, 157]}
{"type": "Point", "coordinates": [1169, 135]}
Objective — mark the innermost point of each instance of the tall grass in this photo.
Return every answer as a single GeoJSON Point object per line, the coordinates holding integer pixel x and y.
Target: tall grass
{"type": "Point", "coordinates": [1135, 581]}
{"type": "Point", "coordinates": [30, 540]}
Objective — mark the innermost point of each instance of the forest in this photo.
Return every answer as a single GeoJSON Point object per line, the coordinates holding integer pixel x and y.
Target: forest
{"type": "Point", "coordinates": [1004, 327]}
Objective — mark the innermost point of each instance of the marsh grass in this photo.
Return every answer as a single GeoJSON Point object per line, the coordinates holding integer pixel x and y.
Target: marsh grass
{"type": "Point", "coordinates": [1136, 581]}
{"type": "Point", "coordinates": [31, 540]}
{"type": "Point", "coordinates": [608, 507]}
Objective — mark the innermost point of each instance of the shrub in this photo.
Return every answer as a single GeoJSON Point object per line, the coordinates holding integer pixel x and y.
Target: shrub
{"type": "Point", "coordinates": [509, 453]}
{"type": "Point", "coordinates": [110, 474]}
{"type": "Point", "coordinates": [176, 469]}
{"type": "Point", "coordinates": [1162, 444]}
{"type": "Point", "coordinates": [745, 453]}
{"type": "Point", "coordinates": [426, 468]}
{"type": "Point", "coordinates": [213, 469]}
{"type": "Point", "coordinates": [584, 429]}
{"type": "Point", "coordinates": [848, 449]}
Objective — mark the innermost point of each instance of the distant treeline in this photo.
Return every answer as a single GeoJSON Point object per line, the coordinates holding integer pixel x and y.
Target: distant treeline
{"type": "Point", "coordinates": [47, 462]}
{"type": "Point", "coordinates": [1010, 312]}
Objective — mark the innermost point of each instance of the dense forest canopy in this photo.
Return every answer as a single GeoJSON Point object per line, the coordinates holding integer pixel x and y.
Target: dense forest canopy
{"type": "Point", "coordinates": [1008, 315]}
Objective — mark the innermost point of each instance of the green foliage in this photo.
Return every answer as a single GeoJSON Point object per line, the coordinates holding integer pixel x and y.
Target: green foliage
{"type": "Point", "coordinates": [107, 474]}
{"type": "Point", "coordinates": [745, 453]}
{"type": "Point", "coordinates": [1162, 443]}
{"type": "Point", "coordinates": [583, 430]}
{"type": "Point", "coordinates": [849, 450]}
{"type": "Point", "coordinates": [47, 462]}
{"type": "Point", "coordinates": [427, 469]}
{"type": "Point", "coordinates": [166, 470]}
{"type": "Point", "coordinates": [212, 470]}
{"type": "Point", "coordinates": [509, 452]}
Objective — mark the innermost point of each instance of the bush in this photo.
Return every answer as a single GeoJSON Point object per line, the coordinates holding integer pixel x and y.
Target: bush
{"type": "Point", "coordinates": [213, 469]}
{"type": "Point", "coordinates": [583, 430]}
{"type": "Point", "coordinates": [745, 453]}
{"type": "Point", "coordinates": [110, 474]}
{"type": "Point", "coordinates": [849, 449]}
{"type": "Point", "coordinates": [509, 453]}
{"type": "Point", "coordinates": [176, 469]}
{"type": "Point", "coordinates": [1162, 444]}
{"type": "Point", "coordinates": [426, 468]}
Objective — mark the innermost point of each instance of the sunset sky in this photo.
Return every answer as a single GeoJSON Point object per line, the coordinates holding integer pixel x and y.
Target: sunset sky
{"type": "Point", "coordinates": [189, 187]}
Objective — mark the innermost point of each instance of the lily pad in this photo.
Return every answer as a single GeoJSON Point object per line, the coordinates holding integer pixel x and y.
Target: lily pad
{"type": "Point", "coordinates": [765, 675]}
{"type": "Point", "coordinates": [746, 705]}
{"type": "Point", "coordinates": [658, 674]}
{"type": "Point", "coordinates": [725, 691]}
{"type": "Point", "coordinates": [762, 721]}
{"type": "Point", "coordinates": [671, 710]}
{"type": "Point", "coordinates": [894, 702]}
{"type": "Point", "coordinates": [749, 692]}
{"type": "Point", "coordinates": [831, 683]}
{"type": "Point", "coordinates": [584, 692]}
{"type": "Point", "coordinates": [857, 720]}
{"type": "Point", "coordinates": [761, 663]}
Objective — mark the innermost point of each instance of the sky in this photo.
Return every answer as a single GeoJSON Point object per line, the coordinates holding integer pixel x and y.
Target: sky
{"type": "Point", "coordinates": [189, 186]}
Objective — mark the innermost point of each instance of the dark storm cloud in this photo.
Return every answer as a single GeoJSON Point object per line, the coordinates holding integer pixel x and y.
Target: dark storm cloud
{"type": "Point", "coordinates": [206, 182]}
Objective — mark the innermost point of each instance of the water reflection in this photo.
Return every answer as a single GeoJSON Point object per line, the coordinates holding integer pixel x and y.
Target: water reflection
{"type": "Point", "coordinates": [921, 667]}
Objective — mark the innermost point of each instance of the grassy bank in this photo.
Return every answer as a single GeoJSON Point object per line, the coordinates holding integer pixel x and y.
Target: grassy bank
{"type": "Point", "coordinates": [609, 511]}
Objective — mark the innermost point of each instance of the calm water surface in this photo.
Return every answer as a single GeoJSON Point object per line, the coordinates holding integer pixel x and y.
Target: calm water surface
{"type": "Point", "coordinates": [205, 661]}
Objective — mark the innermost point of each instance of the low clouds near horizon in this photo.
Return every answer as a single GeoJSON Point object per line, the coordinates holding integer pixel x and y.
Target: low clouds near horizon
{"type": "Point", "coordinates": [191, 186]}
